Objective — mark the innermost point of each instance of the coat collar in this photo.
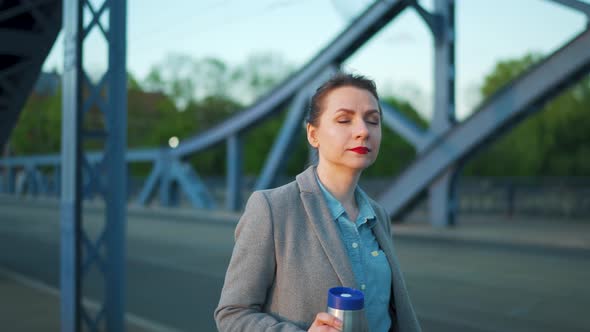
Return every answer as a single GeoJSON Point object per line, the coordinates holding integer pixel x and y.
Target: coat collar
{"type": "Point", "coordinates": [327, 231]}
{"type": "Point", "coordinates": [324, 226]}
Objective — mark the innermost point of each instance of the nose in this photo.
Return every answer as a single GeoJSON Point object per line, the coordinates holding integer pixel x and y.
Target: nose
{"type": "Point", "coordinates": [361, 130]}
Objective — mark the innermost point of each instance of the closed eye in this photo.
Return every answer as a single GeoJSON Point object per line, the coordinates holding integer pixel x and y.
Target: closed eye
{"type": "Point", "coordinates": [373, 121]}
{"type": "Point", "coordinates": [373, 117]}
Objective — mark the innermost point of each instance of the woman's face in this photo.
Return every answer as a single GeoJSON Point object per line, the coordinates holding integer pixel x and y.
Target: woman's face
{"type": "Point", "coordinates": [348, 133]}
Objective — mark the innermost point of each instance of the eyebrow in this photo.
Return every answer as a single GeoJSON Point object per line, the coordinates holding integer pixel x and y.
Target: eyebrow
{"type": "Point", "coordinates": [345, 110]}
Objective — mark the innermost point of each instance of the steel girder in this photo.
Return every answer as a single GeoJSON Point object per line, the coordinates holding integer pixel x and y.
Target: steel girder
{"type": "Point", "coordinates": [277, 157]}
{"type": "Point", "coordinates": [441, 193]}
{"type": "Point", "coordinates": [165, 180]}
{"type": "Point", "coordinates": [79, 250]}
{"type": "Point", "coordinates": [576, 5]}
{"type": "Point", "coordinates": [360, 31]}
{"type": "Point", "coordinates": [234, 173]}
{"type": "Point", "coordinates": [28, 30]}
{"type": "Point", "coordinates": [406, 128]}
{"type": "Point", "coordinates": [344, 45]}
{"type": "Point", "coordinates": [168, 176]}
{"type": "Point", "coordinates": [338, 50]}
{"type": "Point", "coordinates": [503, 110]}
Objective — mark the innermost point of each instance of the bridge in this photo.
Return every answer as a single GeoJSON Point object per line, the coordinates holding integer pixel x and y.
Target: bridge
{"type": "Point", "coordinates": [488, 275]}
{"type": "Point", "coordinates": [30, 29]}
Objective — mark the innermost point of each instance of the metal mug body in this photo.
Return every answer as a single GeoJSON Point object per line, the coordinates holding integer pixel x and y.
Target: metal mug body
{"type": "Point", "coordinates": [352, 320]}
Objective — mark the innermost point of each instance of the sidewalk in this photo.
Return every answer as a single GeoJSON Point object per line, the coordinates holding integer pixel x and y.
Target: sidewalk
{"type": "Point", "coordinates": [546, 234]}
{"type": "Point", "coordinates": [27, 305]}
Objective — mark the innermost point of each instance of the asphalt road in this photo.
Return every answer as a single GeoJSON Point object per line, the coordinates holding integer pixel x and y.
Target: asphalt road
{"type": "Point", "coordinates": [176, 262]}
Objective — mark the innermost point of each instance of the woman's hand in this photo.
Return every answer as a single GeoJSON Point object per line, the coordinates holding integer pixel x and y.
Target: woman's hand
{"type": "Point", "coordinates": [324, 322]}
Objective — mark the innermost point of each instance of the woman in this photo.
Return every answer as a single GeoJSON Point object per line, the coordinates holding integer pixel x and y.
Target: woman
{"type": "Point", "coordinates": [295, 242]}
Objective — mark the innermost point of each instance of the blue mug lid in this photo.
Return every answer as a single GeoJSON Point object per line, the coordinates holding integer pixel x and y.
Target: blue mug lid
{"type": "Point", "coordinates": [344, 298]}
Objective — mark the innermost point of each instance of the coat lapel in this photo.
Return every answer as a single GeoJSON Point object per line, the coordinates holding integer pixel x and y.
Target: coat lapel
{"type": "Point", "coordinates": [325, 227]}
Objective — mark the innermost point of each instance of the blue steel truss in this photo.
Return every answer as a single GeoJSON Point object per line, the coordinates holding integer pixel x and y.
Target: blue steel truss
{"type": "Point", "coordinates": [506, 108]}
{"type": "Point", "coordinates": [170, 173]}
{"type": "Point", "coordinates": [75, 174]}
{"type": "Point", "coordinates": [28, 29]}
{"type": "Point", "coordinates": [88, 173]}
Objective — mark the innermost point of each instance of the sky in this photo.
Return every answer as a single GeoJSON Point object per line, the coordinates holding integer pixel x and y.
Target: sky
{"type": "Point", "coordinates": [399, 58]}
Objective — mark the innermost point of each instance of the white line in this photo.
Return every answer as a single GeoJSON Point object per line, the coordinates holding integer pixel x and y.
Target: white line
{"type": "Point", "coordinates": [43, 287]}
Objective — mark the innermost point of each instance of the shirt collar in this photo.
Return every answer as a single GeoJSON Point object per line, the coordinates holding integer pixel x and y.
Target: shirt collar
{"type": "Point", "coordinates": [365, 209]}
{"type": "Point", "coordinates": [366, 212]}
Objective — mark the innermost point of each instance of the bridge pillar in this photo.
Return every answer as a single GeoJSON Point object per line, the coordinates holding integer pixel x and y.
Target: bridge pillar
{"type": "Point", "coordinates": [56, 182]}
{"type": "Point", "coordinates": [9, 180]}
{"type": "Point", "coordinates": [234, 173]}
{"type": "Point", "coordinates": [441, 192]}
{"type": "Point", "coordinates": [167, 187]}
{"type": "Point", "coordinates": [109, 96]}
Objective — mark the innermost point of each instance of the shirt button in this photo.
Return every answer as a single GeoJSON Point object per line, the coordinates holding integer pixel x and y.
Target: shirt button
{"type": "Point", "coordinates": [363, 286]}
{"type": "Point", "coordinates": [375, 253]}
{"type": "Point", "coordinates": [355, 245]}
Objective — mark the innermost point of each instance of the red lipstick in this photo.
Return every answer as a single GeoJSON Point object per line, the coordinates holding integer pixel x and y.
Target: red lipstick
{"type": "Point", "coordinates": [361, 150]}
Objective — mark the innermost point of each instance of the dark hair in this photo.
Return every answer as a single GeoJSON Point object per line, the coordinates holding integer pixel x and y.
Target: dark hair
{"type": "Point", "coordinates": [337, 81]}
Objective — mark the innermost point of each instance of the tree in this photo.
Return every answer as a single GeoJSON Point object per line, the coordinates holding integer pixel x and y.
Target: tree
{"type": "Point", "coordinates": [200, 116]}
{"type": "Point", "coordinates": [207, 91]}
{"type": "Point", "coordinates": [554, 141]}
{"type": "Point", "coordinates": [174, 77]}
{"type": "Point", "coordinates": [39, 126]}
{"type": "Point", "coordinates": [188, 80]}
{"type": "Point", "coordinates": [258, 75]}
{"type": "Point", "coordinates": [183, 97]}
{"type": "Point", "coordinates": [395, 153]}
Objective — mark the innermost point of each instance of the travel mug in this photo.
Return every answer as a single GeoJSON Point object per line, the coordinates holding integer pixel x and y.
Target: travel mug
{"type": "Point", "coordinates": [348, 304]}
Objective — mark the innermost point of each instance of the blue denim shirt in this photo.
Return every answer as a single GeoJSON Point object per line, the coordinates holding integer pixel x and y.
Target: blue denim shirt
{"type": "Point", "coordinates": [369, 264]}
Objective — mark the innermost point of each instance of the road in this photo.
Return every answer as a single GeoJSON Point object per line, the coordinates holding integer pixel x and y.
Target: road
{"type": "Point", "coordinates": [176, 262]}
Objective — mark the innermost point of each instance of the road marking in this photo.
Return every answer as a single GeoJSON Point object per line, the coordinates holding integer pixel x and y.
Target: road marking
{"type": "Point", "coordinates": [88, 303]}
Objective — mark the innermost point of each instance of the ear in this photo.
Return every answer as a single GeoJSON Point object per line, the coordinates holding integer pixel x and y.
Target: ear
{"type": "Point", "coordinates": [312, 136]}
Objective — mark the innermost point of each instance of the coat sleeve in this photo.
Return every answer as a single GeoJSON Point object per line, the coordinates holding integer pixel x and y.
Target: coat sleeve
{"type": "Point", "coordinates": [250, 274]}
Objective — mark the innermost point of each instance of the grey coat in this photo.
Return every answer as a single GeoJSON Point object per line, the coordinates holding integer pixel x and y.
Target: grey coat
{"type": "Point", "coordinates": [288, 253]}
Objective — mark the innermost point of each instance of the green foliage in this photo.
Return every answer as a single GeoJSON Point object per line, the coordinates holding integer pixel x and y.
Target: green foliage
{"type": "Point", "coordinates": [260, 139]}
{"type": "Point", "coordinates": [187, 80]}
{"type": "Point", "coordinates": [258, 75]}
{"type": "Point", "coordinates": [258, 142]}
{"type": "Point", "coordinates": [39, 126]}
{"type": "Point", "coordinates": [552, 142]}
{"type": "Point", "coordinates": [505, 71]}
{"type": "Point", "coordinates": [132, 82]}
{"type": "Point", "coordinates": [169, 107]}
{"type": "Point", "coordinates": [204, 115]}
{"type": "Point", "coordinates": [183, 97]}
{"type": "Point", "coordinates": [395, 153]}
